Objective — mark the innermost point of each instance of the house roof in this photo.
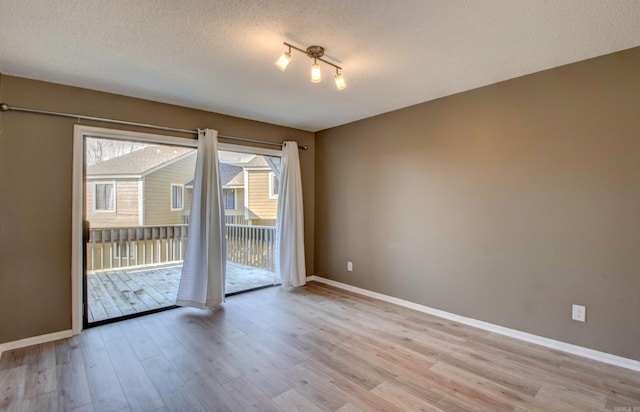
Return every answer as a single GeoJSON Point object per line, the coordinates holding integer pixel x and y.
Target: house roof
{"type": "Point", "coordinates": [256, 161]}
{"type": "Point", "coordinates": [232, 174]}
{"type": "Point", "coordinates": [138, 162]}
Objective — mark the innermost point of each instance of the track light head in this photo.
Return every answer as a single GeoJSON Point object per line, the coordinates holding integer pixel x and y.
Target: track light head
{"type": "Point", "coordinates": [283, 60]}
{"type": "Point", "coordinates": [316, 74]}
{"type": "Point", "coordinates": [340, 83]}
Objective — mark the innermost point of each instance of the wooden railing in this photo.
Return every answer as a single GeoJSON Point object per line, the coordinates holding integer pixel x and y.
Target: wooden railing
{"type": "Point", "coordinates": [252, 246]}
{"type": "Point", "coordinates": [112, 248]}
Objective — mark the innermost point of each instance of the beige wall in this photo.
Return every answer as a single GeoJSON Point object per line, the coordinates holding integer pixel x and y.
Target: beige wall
{"type": "Point", "coordinates": [35, 195]}
{"type": "Point", "coordinates": [126, 213]}
{"type": "Point", "coordinates": [157, 192]}
{"type": "Point", "coordinates": [506, 204]}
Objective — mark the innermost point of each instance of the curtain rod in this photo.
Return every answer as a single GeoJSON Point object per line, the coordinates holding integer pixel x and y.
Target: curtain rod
{"type": "Point", "coordinates": [5, 108]}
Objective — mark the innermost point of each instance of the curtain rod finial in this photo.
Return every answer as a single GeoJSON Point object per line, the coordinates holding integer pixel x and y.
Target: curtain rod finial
{"type": "Point", "coordinates": [4, 107]}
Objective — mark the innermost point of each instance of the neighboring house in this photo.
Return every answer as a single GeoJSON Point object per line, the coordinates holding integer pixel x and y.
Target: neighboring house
{"type": "Point", "coordinates": [141, 188]}
{"type": "Point", "coordinates": [250, 192]}
{"type": "Point", "coordinates": [232, 180]}
{"type": "Point", "coordinates": [261, 192]}
{"type": "Point", "coordinates": [154, 186]}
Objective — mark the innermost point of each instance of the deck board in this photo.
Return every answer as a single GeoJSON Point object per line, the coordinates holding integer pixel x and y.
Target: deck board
{"type": "Point", "coordinates": [114, 293]}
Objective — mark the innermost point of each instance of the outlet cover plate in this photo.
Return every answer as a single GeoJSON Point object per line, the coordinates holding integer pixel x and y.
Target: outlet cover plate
{"type": "Point", "coordinates": [579, 313]}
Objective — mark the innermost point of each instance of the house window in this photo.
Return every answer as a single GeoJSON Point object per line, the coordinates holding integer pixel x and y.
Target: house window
{"type": "Point", "coordinates": [105, 197]}
{"type": "Point", "coordinates": [273, 186]}
{"type": "Point", "coordinates": [229, 197]}
{"type": "Point", "coordinates": [177, 196]}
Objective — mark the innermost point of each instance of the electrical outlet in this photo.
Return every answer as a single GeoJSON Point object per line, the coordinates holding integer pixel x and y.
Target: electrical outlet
{"type": "Point", "coordinates": [579, 313]}
{"type": "Point", "coordinates": [350, 266]}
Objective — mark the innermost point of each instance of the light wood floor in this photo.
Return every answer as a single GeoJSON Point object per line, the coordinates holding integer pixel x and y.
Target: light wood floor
{"type": "Point", "coordinates": [311, 349]}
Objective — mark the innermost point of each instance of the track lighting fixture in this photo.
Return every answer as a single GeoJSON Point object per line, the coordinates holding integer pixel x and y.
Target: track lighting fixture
{"type": "Point", "coordinates": [316, 53]}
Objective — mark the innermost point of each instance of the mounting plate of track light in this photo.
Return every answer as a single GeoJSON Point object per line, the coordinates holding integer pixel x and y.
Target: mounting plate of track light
{"type": "Point", "coordinates": [315, 53]}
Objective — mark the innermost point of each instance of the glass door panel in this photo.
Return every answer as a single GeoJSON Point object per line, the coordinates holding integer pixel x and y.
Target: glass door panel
{"type": "Point", "coordinates": [137, 204]}
{"type": "Point", "coordinates": [250, 199]}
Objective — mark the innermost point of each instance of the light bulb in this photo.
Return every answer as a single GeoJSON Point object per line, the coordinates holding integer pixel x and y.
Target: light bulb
{"type": "Point", "coordinates": [316, 75]}
{"type": "Point", "coordinates": [340, 83]}
{"type": "Point", "coordinates": [283, 61]}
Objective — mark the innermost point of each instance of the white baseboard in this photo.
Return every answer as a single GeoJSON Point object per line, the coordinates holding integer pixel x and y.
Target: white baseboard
{"type": "Point", "coordinates": [35, 340]}
{"type": "Point", "coordinates": [513, 333]}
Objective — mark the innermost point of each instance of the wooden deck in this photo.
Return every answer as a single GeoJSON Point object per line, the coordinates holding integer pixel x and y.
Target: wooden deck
{"type": "Point", "coordinates": [114, 293]}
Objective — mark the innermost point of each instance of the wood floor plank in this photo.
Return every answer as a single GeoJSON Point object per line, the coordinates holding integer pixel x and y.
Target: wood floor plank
{"type": "Point", "coordinates": [163, 375]}
{"type": "Point", "coordinates": [104, 385]}
{"type": "Point", "coordinates": [481, 388]}
{"type": "Point", "coordinates": [209, 355]}
{"type": "Point", "coordinates": [312, 348]}
{"type": "Point", "coordinates": [46, 402]}
{"type": "Point", "coordinates": [162, 337]}
{"type": "Point", "coordinates": [71, 375]}
{"type": "Point", "coordinates": [292, 401]}
{"type": "Point", "coordinates": [136, 385]}
{"type": "Point", "coordinates": [349, 407]}
{"type": "Point", "coordinates": [213, 396]}
{"type": "Point", "coordinates": [360, 397]}
{"type": "Point", "coordinates": [402, 398]}
{"type": "Point", "coordinates": [84, 408]}
{"type": "Point", "coordinates": [560, 399]}
{"type": "Point", "coordinates": [249, 396]}
{"type": "Point", "coordinates": [140, 340]}
{"type": "Point", "coordinates": [41, 375]}
{"type": "Point", "coordinates": [13, 383]}
{"type": "Point", "coordinates": [182, 400]}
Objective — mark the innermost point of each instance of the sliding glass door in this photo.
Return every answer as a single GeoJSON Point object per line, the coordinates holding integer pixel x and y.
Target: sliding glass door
{"type": "Point", "coordinates": [137, 201]}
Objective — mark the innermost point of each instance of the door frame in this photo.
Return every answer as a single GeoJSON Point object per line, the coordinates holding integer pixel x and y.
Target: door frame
{"type": "Point", "coordinates": [77, 209]}
{"type": "Point", "coordinates": [80, 132]}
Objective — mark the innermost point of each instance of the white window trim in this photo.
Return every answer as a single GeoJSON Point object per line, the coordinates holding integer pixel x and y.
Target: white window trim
{"type": "Point", "coordinates": [115, 197]}
{"type": "Point", "coordinates": [171, 197]}
{"type": "Point", "coordinates": [271, 194]}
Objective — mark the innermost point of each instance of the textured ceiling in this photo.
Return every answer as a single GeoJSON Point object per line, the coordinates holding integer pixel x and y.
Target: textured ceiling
{"type": "Point", "coordinates": [218, 55]}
